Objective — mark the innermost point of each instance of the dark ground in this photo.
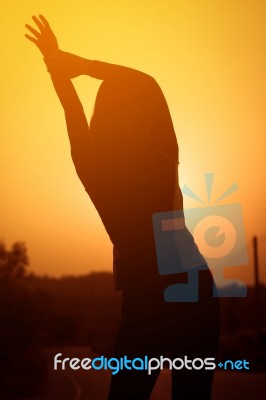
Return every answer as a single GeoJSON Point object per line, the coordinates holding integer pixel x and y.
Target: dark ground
{"type": "Point", "coordinates": [86, 385]}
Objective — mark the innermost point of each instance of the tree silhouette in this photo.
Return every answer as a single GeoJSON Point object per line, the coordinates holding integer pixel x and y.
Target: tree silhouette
{"type": "Point", "coordinates": [14, 262]}
{"type": "Point", "coordinates": [22, 364]}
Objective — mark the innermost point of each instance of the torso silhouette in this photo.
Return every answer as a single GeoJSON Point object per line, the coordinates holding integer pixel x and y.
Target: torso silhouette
{"type": "Point", "coordinates": [127, 160]}
{"type": "Point", "coordinates": [131, 171]}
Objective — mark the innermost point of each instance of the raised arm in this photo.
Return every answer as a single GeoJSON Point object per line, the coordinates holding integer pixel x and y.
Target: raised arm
{"type": "Point", "coordinates": [72, 65]}
{"type": "Point", "coordinates": [77, 125]}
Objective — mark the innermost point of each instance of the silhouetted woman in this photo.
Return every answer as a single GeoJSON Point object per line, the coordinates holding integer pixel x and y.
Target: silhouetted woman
{"type": "Point", "coordinates": [127, 160]}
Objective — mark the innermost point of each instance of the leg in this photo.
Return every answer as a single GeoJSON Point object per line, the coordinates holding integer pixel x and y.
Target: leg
{"type": "Point", "coordinates": [137, 337]}
{"type": "Point", "coordinates": [192, 384]}
{"type": "Point", "coordinates": [132, 385]}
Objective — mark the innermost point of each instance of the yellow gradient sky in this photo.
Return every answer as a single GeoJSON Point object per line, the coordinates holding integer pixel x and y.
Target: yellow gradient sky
{"type": "Point", "coordinates": [209, 59]}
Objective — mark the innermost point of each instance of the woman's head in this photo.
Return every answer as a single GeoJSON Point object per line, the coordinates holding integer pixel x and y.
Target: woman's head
{"type": "Point", "coordinates": [132, 111]}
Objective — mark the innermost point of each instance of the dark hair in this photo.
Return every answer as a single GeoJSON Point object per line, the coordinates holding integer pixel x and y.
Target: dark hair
{"type": "Point", "coordinates": [131, 112]}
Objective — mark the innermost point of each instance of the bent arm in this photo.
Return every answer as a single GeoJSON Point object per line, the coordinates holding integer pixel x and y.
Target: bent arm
{"type": "Point", "coordinates": [103, 70]}
{"type": "Point", "coordinates": [72, 66]}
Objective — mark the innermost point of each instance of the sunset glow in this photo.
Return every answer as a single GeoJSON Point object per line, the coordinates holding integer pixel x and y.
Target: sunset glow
{"type": "Point", "coordinates": [209, 59]}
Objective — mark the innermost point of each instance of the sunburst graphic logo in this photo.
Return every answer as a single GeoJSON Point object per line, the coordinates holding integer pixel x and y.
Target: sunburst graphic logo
{"type": "Point", "coordinates": [219, 234]}
{"type": "Point", "coordinates": [218, 230]}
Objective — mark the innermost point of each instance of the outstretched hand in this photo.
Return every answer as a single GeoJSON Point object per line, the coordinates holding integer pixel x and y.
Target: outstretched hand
{"type": "Point", "coordinates": [44, 39]}
{"type": "Point", "coordinates": [59, 63]}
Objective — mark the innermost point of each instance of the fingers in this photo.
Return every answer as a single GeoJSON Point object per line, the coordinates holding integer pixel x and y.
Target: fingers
{"type": "Point", "coordinates": [43, 37]}
{"type": "Point", "coordinates": [32, 30]}
{"type": "Point", "coordinates": [31, 39]}
{"type": "Point", "coordinates": [38, 23]}
{"type": "Point", "coordinates": [42, 24]}
{"type": "Point", "coordinates": [44, 21]}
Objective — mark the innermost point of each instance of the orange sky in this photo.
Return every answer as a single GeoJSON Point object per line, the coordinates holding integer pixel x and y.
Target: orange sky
{"type": "Point", "coordinates": [209, 59]}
